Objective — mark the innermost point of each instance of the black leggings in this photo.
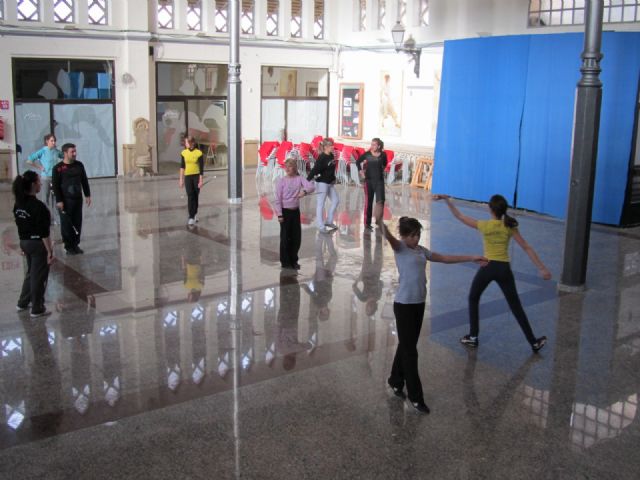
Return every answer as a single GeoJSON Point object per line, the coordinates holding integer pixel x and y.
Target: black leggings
{"type": "Point", "coordinates": [405, 363]}
{"type": "Point", "coordinates": [191, 186]}
{"type": "Point", "coordinates": [501, 273]}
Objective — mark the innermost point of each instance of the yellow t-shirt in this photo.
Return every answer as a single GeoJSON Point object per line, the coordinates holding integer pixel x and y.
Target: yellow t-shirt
{"type": "Point", "coordinates": [495, 237]}
{"type": "Point", "coordinates": [193, 279]}
{"type": "Point", "coordinates": [192, 161]}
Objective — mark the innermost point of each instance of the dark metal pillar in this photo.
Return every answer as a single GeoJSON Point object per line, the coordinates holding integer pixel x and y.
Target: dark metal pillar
{"type": "Point", "coordinates": [583, 155]}
{"type": "Point", "coordinates": [234, 119]}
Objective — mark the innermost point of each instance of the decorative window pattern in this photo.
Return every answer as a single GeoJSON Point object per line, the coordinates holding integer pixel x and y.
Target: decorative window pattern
{"type": "Point", "coordinates": [28, 10]}
{"type": "Point", "coordinates": [382, 14]}
{"type": "Point", "coordinates": [222, 16]}
{"type": "Point", "coordinates": [402, 11]}
{"type": "Point", "coordinates": [362, 15]}
{"type": "Point", "coordinates": [591, 424]}
{"type": "Point", "coordinates": [424, 13]}
{"type": "Point", "coordinates": [63, 11]}
{"type": "Point", "coordinates": [97, 12]}
{"type": "Point", "coordinates": [296, 18]}
{"type": "Point", "coordinates": [273, 8]}
{"type": "Point", "coordinates": [318, 19]}
{"type": "Point", "coordinates": [544, 13]}
{"type": "Point", "coordinates": [194, 15]}
{"type": "Point", "coordinates": [165, 14]}
{"type": "Point", "coordinates": [246, 18]}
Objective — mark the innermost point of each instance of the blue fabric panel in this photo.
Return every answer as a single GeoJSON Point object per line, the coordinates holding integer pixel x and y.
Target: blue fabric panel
{"type": "Point", "coordinates": [481, 102]}
{"type": "Point", "coordinates": [547, 124]}
{"type": "Point", "coordinates": [554, 63]}
{"type": "Point", "coordinates": [620, 76]}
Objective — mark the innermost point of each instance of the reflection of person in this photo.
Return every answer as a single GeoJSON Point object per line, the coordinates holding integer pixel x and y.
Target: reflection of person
{"type": "Point", "coordinates": [409, 303]}
{"type": "Point", "coordinates": [386, 104]}
{"type": "Point", "coordinates": [44, 160]}
{"type": "Point", "coordinates": [287, 342]}
{"type": "Point", "coordinates": [289, 190]}
{"type": "Point", "coordinates": [324, 173]}
{"type": "Point", "coordinates": [370, 277]}
{"type": "Point", "coordinates": [496, 235]}
{"type": "Point", "coordinates": [373, 163]}
{"type": "Point", "coordinates": [69, 183]}
{"type": "Point", "coordinates": [193, 272]}
{"type": "Point", "coordinates": [191, 176]}
{"type": "Point", "coordinates": [320, 289]}
{"type": "Point", "coordinates": [33, 221]}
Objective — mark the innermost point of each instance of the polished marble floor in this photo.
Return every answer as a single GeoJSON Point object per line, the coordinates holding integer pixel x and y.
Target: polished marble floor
{"type": "Point", "coordinates": [176, 352]}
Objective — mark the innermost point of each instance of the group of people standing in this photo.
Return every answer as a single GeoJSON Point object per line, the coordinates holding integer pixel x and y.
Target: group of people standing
{"type": "Point", "coordinates": [410, 257]}
{"type": "Point", "coordinates": [64, 177]}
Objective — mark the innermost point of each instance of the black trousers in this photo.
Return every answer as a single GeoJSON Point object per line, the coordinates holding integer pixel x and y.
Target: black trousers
{"type": "Point", "coordinates": [191, 186]}
{"type": "Point", "coordinates": [501, 273]}
{"type": "Point", "coordinates": [405, 363]}
{"type": "Point", "coordinates": [290, 237]}
{"type": "Point", "coordinates": [372, 188]}
{"type": "Point", "coordinates": [70, 219]}
{"type": "Point", "coordinates": [35, 278]}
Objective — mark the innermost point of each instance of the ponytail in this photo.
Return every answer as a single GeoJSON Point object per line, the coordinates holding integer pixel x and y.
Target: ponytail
{"type": "Point", "coordinates": [22, 186]}
{"type": "Point", "coordinates": [498, 205]}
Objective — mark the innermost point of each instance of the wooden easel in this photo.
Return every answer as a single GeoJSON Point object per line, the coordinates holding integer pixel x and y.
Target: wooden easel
{"type": "Point", "coordinates": [423, 165]}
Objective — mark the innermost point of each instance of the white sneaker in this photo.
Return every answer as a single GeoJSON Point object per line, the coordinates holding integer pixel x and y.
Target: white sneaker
{"type": "Point", "coordinates": [191, 222]}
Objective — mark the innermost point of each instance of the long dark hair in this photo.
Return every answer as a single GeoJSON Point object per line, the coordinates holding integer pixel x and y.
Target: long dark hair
{"type": "Point", "coordinates": [409, 226]}
{"type": "Point", "coordinates": [498, 205]}
{"type": "Point", "coordinates": [22, 186]}
{"type": "Point", "coordinates": [379, 142]}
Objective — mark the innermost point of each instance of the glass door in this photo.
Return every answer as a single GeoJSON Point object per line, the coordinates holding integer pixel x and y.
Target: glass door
{"type": "Point", "coordinates": [171, 128]}
{"type": "Point", "coordinates": [33, 122]}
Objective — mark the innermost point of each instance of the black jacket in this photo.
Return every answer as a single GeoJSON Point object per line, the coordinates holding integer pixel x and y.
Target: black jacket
{"type": "Point", "coordinates": [375, 165]}
{"type": "Point", "coordinates": [324, 170]}
{"type": "Point", "coordinates": [32, 218]}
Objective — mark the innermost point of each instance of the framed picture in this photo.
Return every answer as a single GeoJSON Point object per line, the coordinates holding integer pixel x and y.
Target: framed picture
{"type": "Point", "coordinates": [391, 85]}
{"type": "Point", "coordinates": [311, 89]}
{"type": "Point", "coordinates": [351, 102]}
{"type": "Point", "coordinates": [288, 83]}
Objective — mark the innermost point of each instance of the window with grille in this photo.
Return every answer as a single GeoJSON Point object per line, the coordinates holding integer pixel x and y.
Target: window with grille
{"type": "Point", "coordinates": [28, 10]}
{"type": "Point", "coordinates": [362, 15]}
{"type": "Point", "coordinates": [318, 19]}
{"type": "Point", "coordinates": [424, 13]}
{"type": "Point", "coordinates": [273, 9]}
{"type": "Point", "coordinates": [296, 18]}
{"type": "Point", "coordinates": [165, 14]}
{"type": "Point", "coordinates": [97, 12]}
{"type": "Point", "coordinates": [544, 13]}
{"type": "Point", "coordinates": [402, 11]}
{"type": "Point", "coordinates": [222, 16]}
{"type": "Point", "coordinates": [246, 18]}
{"type": "Point", "coordinates": [194, 15]}
{"type": "Point", "coordinates": [63, 11]}
{"type": "Point", "coordinates": [382, 14]}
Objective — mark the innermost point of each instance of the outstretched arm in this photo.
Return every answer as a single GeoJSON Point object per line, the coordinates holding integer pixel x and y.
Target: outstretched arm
{"type": "Point", "coordinates": [469, 221]}
{"type": "Point", "coordinates": [544, 272]}
{"type": "Point", "coordinates": [440, 258]}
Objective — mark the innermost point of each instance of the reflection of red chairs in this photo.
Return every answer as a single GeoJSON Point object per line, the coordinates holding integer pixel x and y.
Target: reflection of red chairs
{"type": "Point", "coordinates": [266, 211]}
{"type": "Point", "coordinates": [266, 152]}
{"type": "Point", "coordinates": [281, 155]}
{"type": "Point", "coordinates": [305, 219]}
{"type": "Point", "coordinates": [344, 219]}
{"type": "Point", "coordinates": [386, 212]}
{"type": "Point", "coordinates": [306, 157]}
{"type": "Point", "coordinates": [315, 144]}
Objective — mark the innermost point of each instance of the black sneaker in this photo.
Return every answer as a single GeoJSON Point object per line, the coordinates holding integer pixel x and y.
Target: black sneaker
{"type": "Point", "coordinates": [42, 313]}
{"type": "Point", "coordinates": [78, 250]}
{"type": "Point", "coordinates": [296, 266]}
{"type": "Point", "coordinates": [469, 341]}
{"type": "Point", "coordinates": [70, 251]}
{"type": "Point", "coordinates": [538, 344]}
{"type": "Point", "coordinates": [396, 391]}
{"type": "Point", "coordinates": [420, 407]}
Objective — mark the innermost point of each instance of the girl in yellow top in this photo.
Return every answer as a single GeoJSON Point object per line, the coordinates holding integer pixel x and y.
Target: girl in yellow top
{"type": "Point", "coordinates": [191, 176]}
{"type": "Point", "coordinates": [496, 234]}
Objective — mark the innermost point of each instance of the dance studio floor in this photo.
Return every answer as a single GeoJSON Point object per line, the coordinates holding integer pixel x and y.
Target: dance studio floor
{"type": "Point", "coordinates": [248, 372]}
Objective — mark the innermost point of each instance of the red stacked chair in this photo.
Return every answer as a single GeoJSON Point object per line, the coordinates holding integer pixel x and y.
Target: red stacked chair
{"type": "Point", "coordinates": [390, 169]}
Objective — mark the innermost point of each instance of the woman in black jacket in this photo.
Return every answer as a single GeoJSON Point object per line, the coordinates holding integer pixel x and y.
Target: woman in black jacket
{"type": "Point", "coordinates": [324, 174]}
{"type": "Point", "coordinates": [33, 220]}
{"type": "Point", "coordinates": [373, 162]}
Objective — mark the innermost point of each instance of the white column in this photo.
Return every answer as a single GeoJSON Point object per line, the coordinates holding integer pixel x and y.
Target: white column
{"type": "Point", "coordinates": [10, 11]}
{"type": "Point", "coordinates": [46, 13]}
{"type": "Point", "coordinates": [180, 15]}
{"type": "Point", "coordinates": [209, 17]}
{"type": "Point", "coordinates": [307, 19]}
{"type": "Point", "coordinates": [81, 13]}
{"type": "Point", "coordinates": [285, 18]}
{"type": "Point", "coordinates": [260, 17]}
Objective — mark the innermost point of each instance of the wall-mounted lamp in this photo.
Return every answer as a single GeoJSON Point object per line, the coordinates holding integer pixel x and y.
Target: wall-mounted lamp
{"type": "Point", "coordinates": [408, 47]}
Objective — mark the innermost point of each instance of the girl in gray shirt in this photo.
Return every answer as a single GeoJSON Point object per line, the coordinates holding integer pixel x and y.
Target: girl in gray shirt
{"type": "Point", "coordinates": [408, 305]}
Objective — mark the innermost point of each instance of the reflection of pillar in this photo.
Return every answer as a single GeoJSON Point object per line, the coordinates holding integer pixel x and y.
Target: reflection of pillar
{"type": "Point", "coordinates": [246, 328]}
{"type": "Point", "coordinates": [80, 373]}
{"type": "Point", "coordinates": [111, 363]}
{"type": "Point", "coordinates": [199, 344]}
{"type": "Point", "coordinates": [269, 325]}
{"type": "Point", "coordinates": [171, 328]}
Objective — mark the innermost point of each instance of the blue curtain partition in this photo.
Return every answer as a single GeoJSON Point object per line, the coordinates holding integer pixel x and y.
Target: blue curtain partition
{"type": "Point", "coordinates": [506, 119]}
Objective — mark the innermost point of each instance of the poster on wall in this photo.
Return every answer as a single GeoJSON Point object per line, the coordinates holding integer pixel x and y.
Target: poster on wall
{"type": "Point", "coordinates": [351, 101]}
{"type": "Point", "coordinates": [288, 83]}
{"type": "Point", "coordinates": [390, 121]}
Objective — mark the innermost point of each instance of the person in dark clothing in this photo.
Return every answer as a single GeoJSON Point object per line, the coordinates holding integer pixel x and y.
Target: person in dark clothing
{"type": "Point", "coordinates": [373, 163]}
{"type": "Point", "coordinates": [69, 183]}
{"type": "Point", "coordinates": [370, 277]}
{"type": "Point", "coordinates": [33, 220]}
{"type": "Point", "coordinates": [191, 176]}
{"type": "Point", "coordinates": [324, 174]}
